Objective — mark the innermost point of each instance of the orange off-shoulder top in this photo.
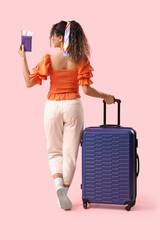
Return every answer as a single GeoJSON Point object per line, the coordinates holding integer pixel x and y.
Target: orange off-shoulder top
{"type": "Point", "coordinates": [64, 83]}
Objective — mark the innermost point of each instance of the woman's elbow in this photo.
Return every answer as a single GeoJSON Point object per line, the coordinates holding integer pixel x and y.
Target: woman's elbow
{"type": "Point", "coordinates": [86, 89]}
{"type": "Point", "coordinates": [30, 84]}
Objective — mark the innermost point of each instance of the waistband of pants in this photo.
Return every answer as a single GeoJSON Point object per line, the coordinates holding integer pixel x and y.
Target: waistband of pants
{"type": "Point", "coordinates": [64, 100]}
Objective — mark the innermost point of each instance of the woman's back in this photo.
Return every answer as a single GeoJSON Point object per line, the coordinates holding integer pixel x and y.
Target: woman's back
{"type": "Point", "coordinates": [59, 62]}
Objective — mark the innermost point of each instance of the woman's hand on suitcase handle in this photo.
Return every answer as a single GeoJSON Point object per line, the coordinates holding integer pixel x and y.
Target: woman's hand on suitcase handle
{"type": "Point", "coordinates": [109, 99]}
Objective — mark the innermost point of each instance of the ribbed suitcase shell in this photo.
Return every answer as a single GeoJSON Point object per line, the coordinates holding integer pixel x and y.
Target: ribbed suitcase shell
{"type": "Point", "coordinates": [109, 165]}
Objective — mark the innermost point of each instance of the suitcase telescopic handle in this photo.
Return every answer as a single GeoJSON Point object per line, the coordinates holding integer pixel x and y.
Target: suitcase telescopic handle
{"type": "Point", "coordinates": [118, 102]}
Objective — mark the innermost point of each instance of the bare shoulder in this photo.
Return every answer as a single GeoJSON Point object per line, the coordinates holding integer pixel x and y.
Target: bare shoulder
{"type": "Point", "coordinates": [53, 57]}
{"type": "Point", "coordinates": [58, 61]}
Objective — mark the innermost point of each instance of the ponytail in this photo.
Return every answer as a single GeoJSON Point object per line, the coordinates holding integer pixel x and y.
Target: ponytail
{"type": "Point", "coordinates": [79, 48]}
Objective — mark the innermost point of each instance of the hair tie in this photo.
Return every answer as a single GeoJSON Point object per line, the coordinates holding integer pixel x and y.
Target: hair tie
{"type": "Point", "coordinates": [66, 39]}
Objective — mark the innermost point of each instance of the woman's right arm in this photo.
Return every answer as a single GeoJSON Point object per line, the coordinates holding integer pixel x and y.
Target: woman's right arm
{"type": "Point", "coordinates": [28, 81]}
{"type": "Point", "coordinates": [88, 90]}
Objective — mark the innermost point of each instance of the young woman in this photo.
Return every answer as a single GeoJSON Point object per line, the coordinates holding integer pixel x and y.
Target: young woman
{"type": "Point", "coordinates": [63, 113]}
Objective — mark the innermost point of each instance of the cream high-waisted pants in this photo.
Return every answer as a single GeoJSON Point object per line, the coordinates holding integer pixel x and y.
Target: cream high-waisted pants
{"type": "Point", "coordinates": [63, 125]}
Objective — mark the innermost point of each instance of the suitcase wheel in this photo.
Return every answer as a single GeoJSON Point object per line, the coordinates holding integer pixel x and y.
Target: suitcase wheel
{"type": "Point", "coordinates": [128, 207]}
{"type": "Point", "coordinates": [85, 205]}
{"type": "Point", "coordinates": [85, 201]}
{"type": "Point", "coordinates": [130, 204]}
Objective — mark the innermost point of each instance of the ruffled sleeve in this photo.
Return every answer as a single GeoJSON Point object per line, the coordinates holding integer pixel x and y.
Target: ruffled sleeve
{"type": "Point", "coordinates": [42, 70]}
{"type": "Point", "coordinates": [85, 72]}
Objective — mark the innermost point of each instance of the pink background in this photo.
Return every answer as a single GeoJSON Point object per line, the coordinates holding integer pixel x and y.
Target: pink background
{"type": "Point", "coordinates": [125, 41]}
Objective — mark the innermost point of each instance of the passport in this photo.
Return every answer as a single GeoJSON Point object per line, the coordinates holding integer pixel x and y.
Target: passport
{"type": "Point", "coordinates": [27, 42]}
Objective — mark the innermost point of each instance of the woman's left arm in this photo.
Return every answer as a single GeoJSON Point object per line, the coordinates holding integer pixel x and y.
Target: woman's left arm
{"type": "Point", "coordinates": [28, 81]}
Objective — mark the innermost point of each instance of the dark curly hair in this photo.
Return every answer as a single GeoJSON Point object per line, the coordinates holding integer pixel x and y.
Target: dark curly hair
{"type": "Point", "coordinates": [79, 48]}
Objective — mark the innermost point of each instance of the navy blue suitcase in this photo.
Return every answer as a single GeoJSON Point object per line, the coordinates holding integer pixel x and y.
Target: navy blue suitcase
{"type": "Point", "coordinates": [110, 164]}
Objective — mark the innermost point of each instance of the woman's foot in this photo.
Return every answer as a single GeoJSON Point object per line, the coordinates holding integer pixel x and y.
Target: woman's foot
{"type": "Point", "coordinates": [64, 201]}
{"type": "Point", "coordinates": [66, 190]}
{"type": "Point", "coordinates": [59, 205]}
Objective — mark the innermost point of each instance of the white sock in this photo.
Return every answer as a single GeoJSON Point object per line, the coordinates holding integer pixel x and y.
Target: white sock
{"type": "Point", "coordinates": [58, 183]}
